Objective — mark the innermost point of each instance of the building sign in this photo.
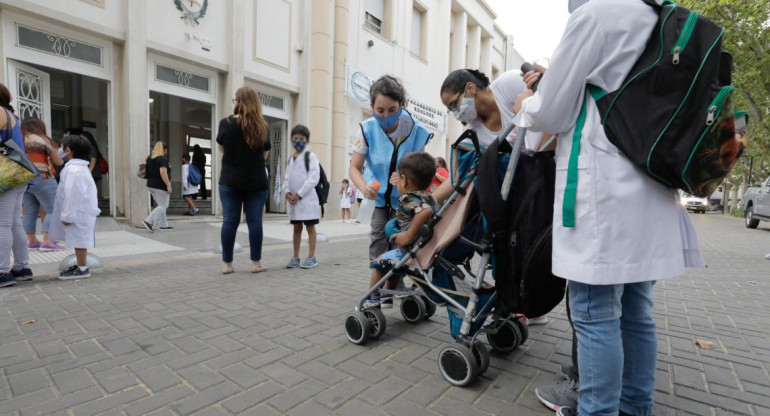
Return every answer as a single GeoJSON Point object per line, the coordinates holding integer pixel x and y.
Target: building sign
{"type": "Point", "coordinates": [432, 117]}
{"type": "Point", "coordinates": [271, 101]}
{"type": "Point", "coordinates": [357, 84]}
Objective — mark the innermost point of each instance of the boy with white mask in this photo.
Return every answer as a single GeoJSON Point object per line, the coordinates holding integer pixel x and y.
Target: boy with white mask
{"type": "Point", "coordinates": [625, 230]}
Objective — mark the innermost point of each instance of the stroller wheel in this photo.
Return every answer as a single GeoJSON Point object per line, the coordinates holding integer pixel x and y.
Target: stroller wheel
{"type": "Point", "coordinates": [377, 323]}
{"type": "Point", "coordinates": [481, 353]}
{"type": "Point", "coordinates": [523, 329]}
{"type": "Point", "coordinates": [357, 327]}
{"type": "Point", "coordinates": [458, 364]}
{"type": "Point", "coordinates": [413, 309]}
{"type": "Point", "coordinates": [430, 307]}
{"type": "Point", "coordinates": [507, 338]}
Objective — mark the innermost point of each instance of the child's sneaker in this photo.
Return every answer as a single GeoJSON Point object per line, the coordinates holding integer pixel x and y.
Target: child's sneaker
{"type": "Point", "coordinates": [293, 263]}
{"type": "Point", "coordinates": [371, 303]}
{"type": "Point", "coordinates": [74, 273]}
{"type": "Point", "coordinates": [387, 302]}
{"type": "Point", "coordinates": [52, 246]}
{"type": "Point", "coordinates": [22, 275]}
{"type": "Point", "coordinates": [539, 320]}
{"type": "Point", "coordinates": [195, 212]}
{"type": "Point", "coordinates": [33, 246]}
{"type": "Point", "coordinates": [309, 263]}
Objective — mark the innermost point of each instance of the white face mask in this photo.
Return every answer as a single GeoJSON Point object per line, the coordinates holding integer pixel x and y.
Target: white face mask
{"type": "Point", "coordinates": [467, 111]}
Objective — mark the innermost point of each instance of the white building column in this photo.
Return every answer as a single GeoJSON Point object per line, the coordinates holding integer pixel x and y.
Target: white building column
{"type": "Point", "coordinates": [474, 47]}
{"type": "Point", "coordinates": [339, 154]}
{"type": "Point", "coordinates": [459, 39]}
{"type": "Point", "coordinates": [321, 70]}
{"type": "Point", "coordinates": [134, 146]}
{"type": "Point", "coordinates": [485, 61]}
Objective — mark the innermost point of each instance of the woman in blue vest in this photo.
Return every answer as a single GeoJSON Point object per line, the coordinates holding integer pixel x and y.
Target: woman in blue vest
{"type": "Point", "coordinates": [384, 139]}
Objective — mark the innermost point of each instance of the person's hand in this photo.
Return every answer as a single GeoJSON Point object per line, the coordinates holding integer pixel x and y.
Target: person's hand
{"type": "Point", "coordinates": [370, 193]}
{"type": "Point", "coordinates": [524, 95]}
{"type": "Point", "coordinates": [393, 179]}
{"type": "Point", "coordinates": [401, 239]}
{"type": "Point", "coordinates": [168, 188]}
{"type": "Point", "coordinates": [532, 76]}
{"type": "Point", "coordinates": [65, 223]}
{"type": "Point", "coordinates": [290, 198]}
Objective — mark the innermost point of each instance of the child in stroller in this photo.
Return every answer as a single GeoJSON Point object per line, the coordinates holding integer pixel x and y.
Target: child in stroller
{"type": "Point", "coordinates": [459, 229]}
{"type": "Point", "coordinates": [415, 208]}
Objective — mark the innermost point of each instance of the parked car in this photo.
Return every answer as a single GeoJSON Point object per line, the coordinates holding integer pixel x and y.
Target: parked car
{"type": "Point", "coordinates": [757, 204]}
{"type": "Point", "coordinates": [694, 203]}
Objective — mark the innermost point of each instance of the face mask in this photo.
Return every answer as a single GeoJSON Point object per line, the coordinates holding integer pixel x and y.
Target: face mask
{"type": "Point", "coordinates": [390, 121]}
{"type": "Point", "coordinates": [467, 110]}
{"type": "Point", "coordinates": [298, 145]}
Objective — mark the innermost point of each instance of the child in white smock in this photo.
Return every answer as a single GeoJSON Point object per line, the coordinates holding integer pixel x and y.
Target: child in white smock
{"type": "Point", "coordinates": [76, 206]}
{"type": "Point", "coordinates": [303, 171]}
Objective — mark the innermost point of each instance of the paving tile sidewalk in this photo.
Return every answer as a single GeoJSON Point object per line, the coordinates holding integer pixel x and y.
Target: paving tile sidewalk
{"type": "Point", "coordinates": [175, 337]}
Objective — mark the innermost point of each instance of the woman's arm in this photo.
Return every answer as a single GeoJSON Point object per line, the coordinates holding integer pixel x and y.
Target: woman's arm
{"type": "Point", "coordinates": [356, 175]}
{"type": "Point", "coordinates": [92, 165]}
{"type": "Point", "coordinates": [164, 176]}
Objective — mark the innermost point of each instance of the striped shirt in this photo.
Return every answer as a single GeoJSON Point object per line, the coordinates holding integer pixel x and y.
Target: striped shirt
{"type": "Point", "coordinates": [37, 149]}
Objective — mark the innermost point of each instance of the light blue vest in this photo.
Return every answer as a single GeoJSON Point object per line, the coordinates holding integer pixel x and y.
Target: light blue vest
{"type": "Point", "coordinates": [383, 156]}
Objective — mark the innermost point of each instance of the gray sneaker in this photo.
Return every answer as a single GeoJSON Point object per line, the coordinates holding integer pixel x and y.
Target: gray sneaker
{"type": "Point", "coordinates": [566, 411]}
{"type": "Point", "coordinates": [563, 394]}
{"type": "Point", "coordinates": [567, 370]}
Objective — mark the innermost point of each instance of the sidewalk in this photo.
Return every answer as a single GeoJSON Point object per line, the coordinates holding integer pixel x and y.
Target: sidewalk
{"type": "Point", "coordinates": [172, 336]}
{"type": "Point", "coordinates": [118, 241]}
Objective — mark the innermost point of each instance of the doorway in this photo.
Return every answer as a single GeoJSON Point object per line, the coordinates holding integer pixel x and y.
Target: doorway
{"type": "Point", "coordinates": [65, 102]}
{"type": "Point", "coordinates": [183, 123]}
{"type": "Point", "coordinates": [277, 129]}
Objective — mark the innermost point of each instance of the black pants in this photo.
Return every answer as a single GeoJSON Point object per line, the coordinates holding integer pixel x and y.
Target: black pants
{"type": "Point", "coordinates": [203, 193]}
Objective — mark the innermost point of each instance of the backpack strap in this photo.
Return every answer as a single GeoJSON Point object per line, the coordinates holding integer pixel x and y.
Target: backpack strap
{"type": "Point", "coordinates": [307, 161]}
{"type": "Point", "coordinates": [570, 190]}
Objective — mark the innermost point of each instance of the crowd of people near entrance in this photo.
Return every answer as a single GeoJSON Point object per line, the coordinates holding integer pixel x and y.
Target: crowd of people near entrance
{"type": "Point", "coordinates": [62, 197]}
{"type": "Point", "coordinates": [611, 259]}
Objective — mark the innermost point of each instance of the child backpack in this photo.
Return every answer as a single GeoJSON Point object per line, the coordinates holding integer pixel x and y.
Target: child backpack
{"type": "Point", "coordinates": [323, 186]}
{"type": "Point", "coordinates": [521, 230]}
{"type": "Point", "coordinates": [194, 176]}
{"type": "Point", "coordinates": [673, 115]}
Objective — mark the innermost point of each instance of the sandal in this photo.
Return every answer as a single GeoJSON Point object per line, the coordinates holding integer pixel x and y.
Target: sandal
{"type": "Point", "coordinates": [257, 268]}
{"type": "Point", "coordinates": [227, 269]}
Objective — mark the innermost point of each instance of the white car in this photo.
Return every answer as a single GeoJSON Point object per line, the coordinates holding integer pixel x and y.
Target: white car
{"type": "Point", "coordinates": [694, 203]}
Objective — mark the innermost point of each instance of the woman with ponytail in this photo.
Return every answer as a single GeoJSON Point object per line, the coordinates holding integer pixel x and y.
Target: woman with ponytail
{"type": "Point", "coordinates": [243, 186]}
{"type": "Point", "coordinates": [484, 106]}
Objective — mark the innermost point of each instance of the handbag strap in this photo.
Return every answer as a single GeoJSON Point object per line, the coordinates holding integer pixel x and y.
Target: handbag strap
{"type": "Point", "coordinates": [8, 128]}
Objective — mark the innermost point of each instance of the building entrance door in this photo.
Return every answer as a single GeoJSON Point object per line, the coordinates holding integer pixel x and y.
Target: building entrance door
{"type": "Point", "coordinates": [30, 88]}
{"type": "Point", "coordinates": [276, 164]}
{"type": "Point", "coordinates": [68, 103]}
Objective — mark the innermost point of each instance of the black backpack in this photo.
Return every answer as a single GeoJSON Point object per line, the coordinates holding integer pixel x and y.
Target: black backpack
{"type": "Point", "coordinates": [673, 115]}
{"type": "Point", "coordinates": [323, 186]}
{"type": "Point", "coordinates": [521, 229]}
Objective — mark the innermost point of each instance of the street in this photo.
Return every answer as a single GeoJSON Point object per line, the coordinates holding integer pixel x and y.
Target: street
{"type": "Point", "coordinates": [162, 332]}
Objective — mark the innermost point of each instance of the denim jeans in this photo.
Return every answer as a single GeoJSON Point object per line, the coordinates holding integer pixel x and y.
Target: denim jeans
{"type": "Point", "coordinates": [42, 193]}
{"type": "Point", "coordinates": [252, 203]}
{"type": "Point", "coordinates": [617, 347]}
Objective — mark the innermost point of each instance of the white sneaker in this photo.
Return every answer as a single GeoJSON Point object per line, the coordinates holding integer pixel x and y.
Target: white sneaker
{"type": "Point", "coordinates": [540, 320]}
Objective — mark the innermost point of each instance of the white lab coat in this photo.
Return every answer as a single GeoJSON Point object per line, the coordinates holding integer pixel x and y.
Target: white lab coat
{"type": "Point", "coordinates": [629, 228]}
{"type": "Point", "coordinates": [302, 181]}
{"type": "Point", "coordinates": [75, 203]}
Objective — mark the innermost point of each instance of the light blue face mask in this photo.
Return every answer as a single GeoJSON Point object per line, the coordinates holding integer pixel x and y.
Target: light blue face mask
{"type": "Point", "coordinates": [388, 122]}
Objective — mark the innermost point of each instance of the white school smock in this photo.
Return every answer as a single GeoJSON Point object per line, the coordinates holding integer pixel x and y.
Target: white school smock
{"type": "Point", "coordinates": [505, 89]}
{"type": "Point", "coordinates": [302, 181]}
{"type": "Point", "coordinates": [75, 203]}
{"type": "Point", "coordinates": [187, 187]}
{"type": "Point", "coordinates": [628, 227]}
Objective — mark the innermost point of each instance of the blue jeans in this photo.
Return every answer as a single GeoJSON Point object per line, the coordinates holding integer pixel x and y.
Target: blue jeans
{"type": "Point", "coordinates": [42, 193]}
{"type": "Point", "coordinates": [251, 202]}
{"type": "Point", "coordinates": [617, 347]}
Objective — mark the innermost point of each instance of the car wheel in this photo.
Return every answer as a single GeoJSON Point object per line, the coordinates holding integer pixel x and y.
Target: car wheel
{"type": "Point", "coordinates": [751, 222]}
